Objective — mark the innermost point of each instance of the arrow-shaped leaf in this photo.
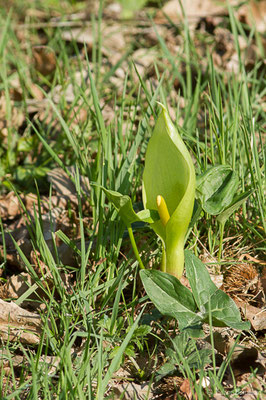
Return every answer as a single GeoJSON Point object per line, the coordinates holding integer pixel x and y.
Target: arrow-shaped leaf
{"type": "Point", "coordinates": [211, 300]}
{"type": "Point", "coordinates": [216, 188]}
{"type": "Point", "coordinates": [123, 205]}
{"type": "Point", "coordinates": [224, 312]}
{"type": "Point", "coordinates": [223, 217]}
{"type": "Point", "coordinates": [200, 281]}
{"type": "Point", "coordinates": [170, 297]}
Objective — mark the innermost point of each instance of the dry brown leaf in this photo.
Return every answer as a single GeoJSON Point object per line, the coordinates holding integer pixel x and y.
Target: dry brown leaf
{"type": "Point", "coordinates": [185, 389]}
{"type": "Point", "coordinates": [44, 59]}
{"type": "Point", "coordinates": [244, 360]}
{"type": "Point", "coordinates": [54, 220]}
{"type": "Point", "coordinates": [9, 206]}
{"type": "Point", "coordinates": [219, 396]}
{"type": "Point", "coordinates": [22, 237]}
{"type": "Point", "coordinates": [113, 39]}
{"type": "Point", "coordinates": [31, 12]}
{"type": "Point", "coordinates": [19, 324]}
{"type": "Point", "coordinates": [217, 280]}
{"type": "Point", "coordinates": [254, 13]}
{"type": "Point", "coordinates": [220, 340]}
{"type": "Point", "coordinates": [68, 91]}
{"type": "Point", "coordinates": [62, 183]}
{"type": "Point", "coordinates": [18, 361]}
{"type": "Point", "coordinates": [80, 35]}
{"type": "Point", "coordinates": [194, 10]}
{"type": "Point", "coordinates": [250, 258]}
{"type": "Point", "coordinates": [144, 60]}
{"type": "Point", "coordinates": [37, 106]}
{"type": "Point", "coordinates": [132, 390]}
{"type": "Point", "coordinates": [263, 281]}
{"type": "Point", "coordinates": [36, 92]}
{"type": "Point", "coordinates": [64, 186]}
{"type": "Point", "coordinates": [68, 256]}
{"type": "Point", "coordinates": [112, 11]}
{"type": "Point", "coordinates": [16, 285]}
{"type": "Point", "coordinates": [255, 315]}
{"type": "Point", "coordinates": [40, 267]}
{"type": "Point", "coordinates": [77, 116]}
{"type": "Point", "coordinates": [108, 113]}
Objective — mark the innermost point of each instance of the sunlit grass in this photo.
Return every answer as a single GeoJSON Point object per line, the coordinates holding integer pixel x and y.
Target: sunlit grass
{"type": "Point", "coordinates": [93, 329]}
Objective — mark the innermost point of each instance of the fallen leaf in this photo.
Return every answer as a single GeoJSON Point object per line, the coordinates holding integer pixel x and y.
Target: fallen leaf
{"type": "Point", "coordinates": [219, 396]}
{"type": "Point", "coordinates": [144, 60]}
{"type": "Point", "coordinates": [36, 92]}
{"type": "Point", "coordinates": [10, 362]}
{"type": "Point", "coordinates": [220, 340]}
{"type": "Point", "coordinates": [16, 285]}
{"type": "Point", "coordinates": [255, 315]}
{"type": "Point", "coordinates": [132, 390]}
{"type": "Point", "coordinates": [245, 360]}
{"type": "Point", "coordinates": [112, 11]}
{"type": "Point", "coordinates": [252, 386]}
{"type": "Point", "coordinates": [80, 35]}
{"type": "Point", "coordinates": [254, 13]}
{"type": "Point", "coordinates": [263, 281]}
{"type": "Point", "coordinates": [44, 59]}
{"type": "Point", "coordinates": [194, 10]}
{"type": "Point", "coordinates": [10, 204]}
{"type": "Point", "coordinates": [217, 279]}
{"type": "Point", "coordinates": [185, 389]}
{"type": "Point", "coordinates": [19, 324]}
{"type": "Point", "coordinates": [64, 185]}
{"type": "Point", "coordinates": [68, 90]}
{"type": "Point", "coordinates": [113, 38]}
{"type": "Point", "coordinates": [22, 238]}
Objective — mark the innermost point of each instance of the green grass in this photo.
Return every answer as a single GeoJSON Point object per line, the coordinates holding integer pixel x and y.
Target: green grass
{"type": "Point", "coordinates": [99, 326]}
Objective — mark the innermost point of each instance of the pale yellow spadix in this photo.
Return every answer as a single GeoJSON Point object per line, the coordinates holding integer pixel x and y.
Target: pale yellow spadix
{"type": "Point", "coordinates": [162, 210]}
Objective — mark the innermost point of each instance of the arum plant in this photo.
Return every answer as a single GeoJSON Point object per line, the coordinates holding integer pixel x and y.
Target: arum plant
{"type": "Point", "coordinates": [168, 194]}
{"type": "Point", "coordinates": [169, 186]}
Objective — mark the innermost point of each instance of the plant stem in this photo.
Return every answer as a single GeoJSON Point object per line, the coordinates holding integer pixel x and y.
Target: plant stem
{"type": "Point", "coordinates": [163, 263]}
{"type": "Point", "coordinates": [221, 231]}
{"type": "Point", "coordinates": [134, 246]}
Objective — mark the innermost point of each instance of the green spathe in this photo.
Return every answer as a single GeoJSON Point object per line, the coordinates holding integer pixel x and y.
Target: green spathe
{"type": "Point", "coordinates": [169, 172]}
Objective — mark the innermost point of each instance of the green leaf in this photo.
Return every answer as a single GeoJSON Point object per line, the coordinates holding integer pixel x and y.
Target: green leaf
{"type": "Point", "coordinates": [216, 188]}
{"type": "Point", "coordinates": [210, 299]}
{"type": "Point", "coordinates": [223, 217]}
{"type": "Point", "coordinates": [129, 7]}
{"type": "Point", "coordinates": [169, 173]}
{"type": "Point", "coordinates": [166, 369]}
{"type": "Point", "coordinates": [123, 205]}
{"type": "Point", "coordinates": [199, 279]}
{"type": "Point", "coordinates": [150, 216]}
{"type": "Point", "coordinates": [186, 348]}
{"type": "Point", "coordinates": [170, 297]}
{"type": "Point", "coordinates": [224, 312]}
